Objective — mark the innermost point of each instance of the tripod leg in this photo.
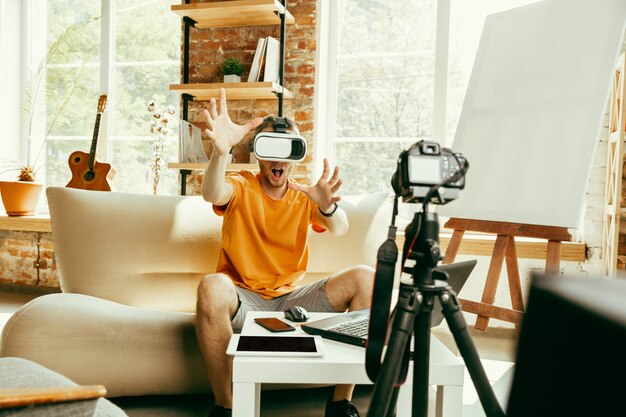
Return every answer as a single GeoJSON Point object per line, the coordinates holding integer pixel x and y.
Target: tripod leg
{"type": "Point", "coordinates": [458, 327]}
{"type": "Point", "coordinates": [401, 330]}
{"type": "Point", "coordinates": [421, 357]}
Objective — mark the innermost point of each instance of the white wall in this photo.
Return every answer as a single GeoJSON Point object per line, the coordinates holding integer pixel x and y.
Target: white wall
{"type": "Point", "coordinates": [10, 80]}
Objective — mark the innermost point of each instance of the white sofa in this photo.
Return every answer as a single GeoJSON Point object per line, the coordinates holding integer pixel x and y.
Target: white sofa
{"type": "Point", "coordinates": [129, 265]}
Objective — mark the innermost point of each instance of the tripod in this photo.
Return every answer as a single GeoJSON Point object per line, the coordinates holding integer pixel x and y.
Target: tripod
{"type": "Point", "coordinates": [412, 317]}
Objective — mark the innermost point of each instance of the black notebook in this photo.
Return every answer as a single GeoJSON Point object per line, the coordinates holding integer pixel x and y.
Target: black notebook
{"type": "Point", "coordinates": [352, 327]}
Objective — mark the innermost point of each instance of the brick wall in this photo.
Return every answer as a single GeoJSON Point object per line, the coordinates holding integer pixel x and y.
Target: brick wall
{"type": "Point", "coordinates": [209, 47]}
{"type": "Point", "coordinates": [27, 258]}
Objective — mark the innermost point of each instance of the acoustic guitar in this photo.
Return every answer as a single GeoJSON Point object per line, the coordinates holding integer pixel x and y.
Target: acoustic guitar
{"type": "Point", "coordinates": [87, 173]}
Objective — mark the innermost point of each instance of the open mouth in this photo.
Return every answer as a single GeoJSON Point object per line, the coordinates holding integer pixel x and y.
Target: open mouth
{"type": "Point", "coordinates": [277, 173]}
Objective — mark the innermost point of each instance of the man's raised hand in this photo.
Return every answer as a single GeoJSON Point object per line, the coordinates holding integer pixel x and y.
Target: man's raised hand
{"type": "Point", "coordinates": [222, 131]}
{"type": "Point", "coordinates": [322, 193]}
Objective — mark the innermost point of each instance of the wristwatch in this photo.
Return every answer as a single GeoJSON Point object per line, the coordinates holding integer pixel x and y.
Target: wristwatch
{"type": "Point", "coordinates": [335, 207]}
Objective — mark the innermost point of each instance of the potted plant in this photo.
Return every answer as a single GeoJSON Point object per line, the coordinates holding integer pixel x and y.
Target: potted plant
{"type": "Point", "coordinates": [21, 197]}
{"type": "Point", "coordinates": [232, 68]}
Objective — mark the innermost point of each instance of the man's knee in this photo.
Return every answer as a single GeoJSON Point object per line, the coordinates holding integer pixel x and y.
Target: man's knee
{"type": "Point", "coordinates": [216, 293]}
{"type": "Point", "coordinates": [363, 277]}
{"type": "Point", "coordinates": [353, 283]}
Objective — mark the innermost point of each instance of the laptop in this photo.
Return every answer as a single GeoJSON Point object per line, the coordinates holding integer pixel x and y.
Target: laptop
{"type": "Point", "coordinates": [352, 327]}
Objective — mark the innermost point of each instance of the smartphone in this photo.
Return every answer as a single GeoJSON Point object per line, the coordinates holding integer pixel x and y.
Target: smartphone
{"type": "Point", "coordinates": [274, 324]}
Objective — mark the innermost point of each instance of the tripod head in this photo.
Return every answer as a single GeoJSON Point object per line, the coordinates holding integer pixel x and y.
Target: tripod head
{"type": "Point", "coordinates": [422, 246]}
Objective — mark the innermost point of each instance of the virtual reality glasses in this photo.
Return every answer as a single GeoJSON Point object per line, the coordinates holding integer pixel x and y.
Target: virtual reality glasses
{"type": "Point", "coordinates": [279, 145]}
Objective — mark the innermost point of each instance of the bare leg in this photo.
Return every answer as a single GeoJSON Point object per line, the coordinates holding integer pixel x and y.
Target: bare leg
{"type": "Point", "coordinates": [350, 289]}
{"type": "Point", "coordinates": [217, 303]}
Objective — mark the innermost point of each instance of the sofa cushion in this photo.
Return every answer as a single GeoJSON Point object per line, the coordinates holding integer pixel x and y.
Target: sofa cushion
{"type": "Point", "coordinates": [141, 250]}
{"type": "Point", "coordinates": [151, 251]}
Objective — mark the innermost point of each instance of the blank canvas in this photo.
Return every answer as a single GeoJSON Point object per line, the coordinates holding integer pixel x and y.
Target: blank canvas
{"type": "Point", "coordinates": [533, 110]}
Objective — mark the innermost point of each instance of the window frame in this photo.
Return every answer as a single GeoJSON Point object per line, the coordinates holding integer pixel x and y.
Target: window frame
{"type": "Point", "coordinates": [107, 66]}
{"type": "Point", "coordinates": [327, 77]}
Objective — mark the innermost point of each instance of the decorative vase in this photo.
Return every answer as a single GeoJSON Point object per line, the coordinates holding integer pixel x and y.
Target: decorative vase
{"type": "Point", "coordinates": [232, 78]}
{"type": "Point", "coordinates": [154, 182]}
{"type": "Point", "coordinates": [20, 198]}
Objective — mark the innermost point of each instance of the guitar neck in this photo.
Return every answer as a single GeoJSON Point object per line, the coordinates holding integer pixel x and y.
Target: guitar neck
{"type": "Point", "coordinates": [94, 143]}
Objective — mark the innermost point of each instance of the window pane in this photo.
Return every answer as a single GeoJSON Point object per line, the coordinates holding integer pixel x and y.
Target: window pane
{"type": "Point", "coordinates": [85, 15]}
{"type": "Point", "coordinates": [72, 100]}
{"type": "Point", "coordinates": [63, 84]}
{"type": "Point", "coordinates": [133, 159]}
{"type": "Point", "coordinates": [385, 79]}
{"type": "Point", "coordinates": [147, 61]}
{"type": "Point", "coordinates": [58, 172]}
{"type": "Point", "coordinates": [385, 68]}
{"type": "Point", "coordinates": [367, 167]}
{"type": "Point", "coordinates": [390, 100]}
{"type": "Point", "coordinates": [382, 26]}
{"type": "Point", "coordinates": [134, 87]}
{"type": "Point", "coordinates": [147, 31]}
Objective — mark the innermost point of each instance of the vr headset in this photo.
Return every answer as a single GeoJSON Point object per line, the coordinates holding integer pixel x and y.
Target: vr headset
{"type": "Point", "coordinates": [279, 145]}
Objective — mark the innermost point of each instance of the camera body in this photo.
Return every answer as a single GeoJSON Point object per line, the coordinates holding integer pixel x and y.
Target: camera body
{"type": "Point", "coordinates": [425, 165]}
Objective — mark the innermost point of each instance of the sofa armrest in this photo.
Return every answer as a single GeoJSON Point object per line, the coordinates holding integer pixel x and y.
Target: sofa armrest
{"type": "Point", "coordinates": [95, 341]}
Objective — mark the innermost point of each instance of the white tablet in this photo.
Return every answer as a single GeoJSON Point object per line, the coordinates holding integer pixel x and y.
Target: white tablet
{"type": "Point", "coordinates": [308, 346]}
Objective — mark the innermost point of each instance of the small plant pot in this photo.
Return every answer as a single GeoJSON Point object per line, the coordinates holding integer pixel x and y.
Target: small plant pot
{"type": "Point", "coordinates": [20, 198]}
{"type": "Point", "coordinates": [232, 78]}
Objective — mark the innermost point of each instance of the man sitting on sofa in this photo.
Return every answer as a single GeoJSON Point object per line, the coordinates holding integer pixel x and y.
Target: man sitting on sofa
{"type": "Point", "coordinates": [264, 252]}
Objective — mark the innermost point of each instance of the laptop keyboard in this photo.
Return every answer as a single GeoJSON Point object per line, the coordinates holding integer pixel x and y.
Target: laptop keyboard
{"type": "Point", "coordinates": [357, 327]}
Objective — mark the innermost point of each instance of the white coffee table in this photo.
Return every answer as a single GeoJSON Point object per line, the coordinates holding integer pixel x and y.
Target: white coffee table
{"type": "Point", "coordinates": [342, 364]}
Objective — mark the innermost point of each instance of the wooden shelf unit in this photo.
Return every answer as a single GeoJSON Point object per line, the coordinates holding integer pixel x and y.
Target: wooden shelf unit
{"type": "Point", "coordinates": [612, 251]}
{"type": "Point", "coordinates": [229, 14]}
{"type": "Point", "coordinates": [36, 223]}
{"type": "Point", "coordinates": [234, 13]}
{"type": "Point", "coordinates": [234, 91]}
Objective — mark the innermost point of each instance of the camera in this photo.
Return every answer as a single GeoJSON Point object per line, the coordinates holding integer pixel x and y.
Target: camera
{"type": "Point", "coordinates": [426, 166]}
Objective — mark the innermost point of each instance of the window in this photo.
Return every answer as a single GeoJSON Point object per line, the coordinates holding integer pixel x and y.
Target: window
{"type": "Point", "coordinates": [126, 49]}
{"type": "Point", "coordinates": [382, 68]}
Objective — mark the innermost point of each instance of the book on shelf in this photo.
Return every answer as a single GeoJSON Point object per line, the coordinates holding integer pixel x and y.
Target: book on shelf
{"type": "Point", "coordinates": [255, 69]}
{"type": "Point", "coordinates": [272, 60]}
{"type": "Point", "coordinates": [191, 143]}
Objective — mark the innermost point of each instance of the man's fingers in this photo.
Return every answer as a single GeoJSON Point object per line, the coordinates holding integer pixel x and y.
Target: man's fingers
{"type": "Point", "coordinates": [335, 176]}
{"type": "Point", "coordinates": [326, 170]}
{"type": "Point", "coordinates": [336, 187]}
{"type": "Point", "coordinates": [223, 107]}
{"type": "Point", "coordinates": [252, 124]}
{"type": "Point", "coordinates": [212, 109]}
{"type": "Point", "coordinates": [208, 118]}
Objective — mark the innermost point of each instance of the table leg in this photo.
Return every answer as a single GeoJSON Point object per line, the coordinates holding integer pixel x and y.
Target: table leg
{"type": "Point", "coordinates": [449, 401]}
{"type": "Point", "coordinates": [246, 399]}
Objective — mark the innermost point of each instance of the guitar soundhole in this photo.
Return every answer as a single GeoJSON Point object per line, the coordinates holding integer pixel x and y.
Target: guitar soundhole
{"type": "Point", "coordinates": [89, 176]}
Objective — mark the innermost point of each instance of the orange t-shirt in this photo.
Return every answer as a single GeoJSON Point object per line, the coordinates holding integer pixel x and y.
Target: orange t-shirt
{"type": "Point", "coordinates": [264, 241]}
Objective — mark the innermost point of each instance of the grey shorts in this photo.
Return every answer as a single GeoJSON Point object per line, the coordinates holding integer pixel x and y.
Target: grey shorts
{"type": "Point", "coordinates": [312, 297]}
